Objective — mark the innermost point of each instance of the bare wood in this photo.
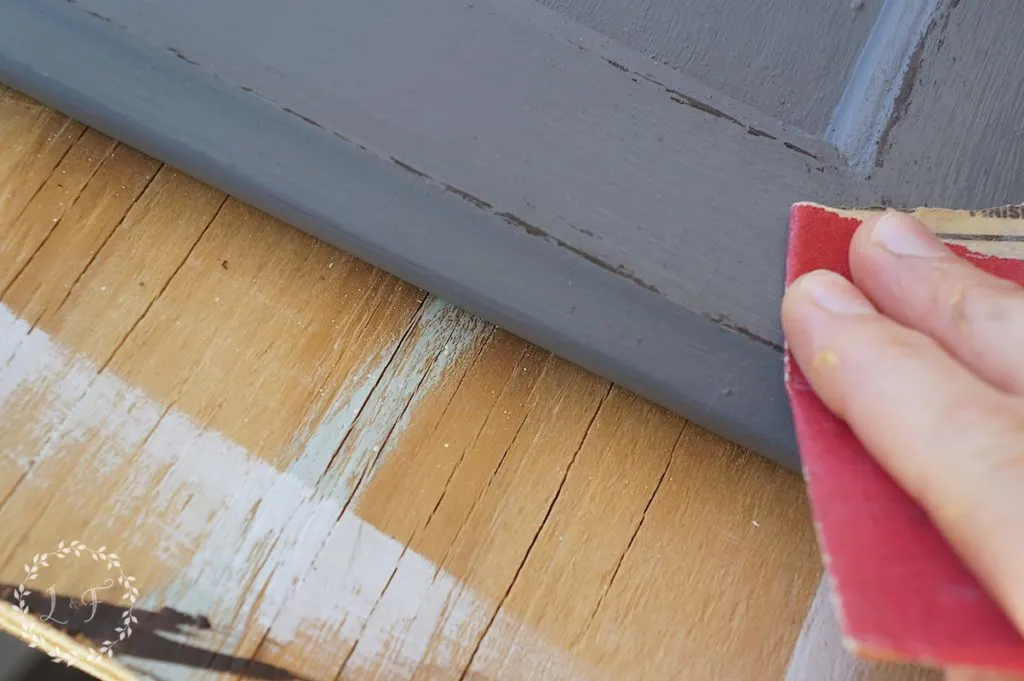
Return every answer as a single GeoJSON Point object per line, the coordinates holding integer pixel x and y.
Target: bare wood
{"type": "Point", "coordinates": [485, 202]}
{"type": "Point", "coordinates": [349, 478]}
{"type": "Point", "coordinates": [644, 150]}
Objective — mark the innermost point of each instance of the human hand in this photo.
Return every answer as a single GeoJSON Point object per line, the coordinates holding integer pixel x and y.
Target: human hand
{"type": "Point", "coordinates": [923, 357]}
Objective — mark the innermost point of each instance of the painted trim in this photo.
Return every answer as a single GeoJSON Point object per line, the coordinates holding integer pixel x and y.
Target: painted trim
{"type": "Point", "coordinates": [889, 58]}
{"type": "Point", "coordinates": [706, 344]}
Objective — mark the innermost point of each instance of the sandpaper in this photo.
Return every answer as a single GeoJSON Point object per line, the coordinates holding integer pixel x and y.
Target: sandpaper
{"type": "Point", "coordinates": [901, 592]}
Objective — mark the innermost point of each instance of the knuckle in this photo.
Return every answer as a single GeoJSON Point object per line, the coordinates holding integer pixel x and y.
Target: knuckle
{"type": "Point", "coordinates": [878, 360]}
{"type": "Point", "coordinates": [991, 434]}
{"type": "Point", "coordinates": [982, 441]}
{"type": "Point", "coordinates": [902, 348]}
{"type": "Point", "coordinates": [980, 304]}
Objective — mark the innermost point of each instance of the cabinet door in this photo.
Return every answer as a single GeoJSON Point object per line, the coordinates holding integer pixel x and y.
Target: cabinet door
{"type": "Point", "coordinates": [608, 178]}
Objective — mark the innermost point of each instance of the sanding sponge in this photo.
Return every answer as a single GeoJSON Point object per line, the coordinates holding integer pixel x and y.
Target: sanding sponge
{"type": "Point", "coordinates": [900, 591]}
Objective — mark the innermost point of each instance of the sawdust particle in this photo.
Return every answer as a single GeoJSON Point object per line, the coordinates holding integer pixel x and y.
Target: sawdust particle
{"type": "Point", "coordinates": [956, 303]}
{"type": "Point", "coordinates": [825, 359]}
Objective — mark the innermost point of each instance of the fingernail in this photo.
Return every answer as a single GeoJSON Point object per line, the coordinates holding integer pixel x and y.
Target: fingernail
{"type": "Point", "coordinates": [834, 293]}
{"type": "Point", "coordinates": [901, 234]}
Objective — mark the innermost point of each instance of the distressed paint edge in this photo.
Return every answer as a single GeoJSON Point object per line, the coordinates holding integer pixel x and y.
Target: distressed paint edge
{"type": "Point", "coordinates": [305, 521]}
{"type": "Point", "coordinates": [859, 122]}
{"type": "Point", "coordinates": [702, 368]}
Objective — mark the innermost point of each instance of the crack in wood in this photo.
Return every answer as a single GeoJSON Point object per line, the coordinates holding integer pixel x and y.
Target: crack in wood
{"type": "Point", "coordinates": [307, 119]}
{"type": "Point", "coordinates": [620, 270]}
{"type": "Point", "coordinates": [702, 106]}
{"type": "Point", "coordinates": [180, 55]}
{"type": "Point", "coordinates": [536, 536]}
{"type": "Point", "coordinates": [531, 229]}
{"type": "Point", "coordinates": [164, 287]}
{"type": "Point", "coordinates": [409, 169]}
{"type": "Point", "coordinates": [466, 196]}
{"type": "Point", "coordinates": [629, 544]}
{"type": "Point", "coordinates": [617, 65]}
{"type": "Point", "coordinates": [799, 150]}
{"type": "Point", "coordinates": [5, 288]}
{"type": "Point", "coordinates": [107, 237]}
{"type": "Point", "coordinates": [727, 324]}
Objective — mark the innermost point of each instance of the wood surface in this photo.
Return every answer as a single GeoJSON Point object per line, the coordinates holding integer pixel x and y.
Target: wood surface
{"type": "Point", "coordinates": [956, 140]}
{"type": "Point", "coordinates": [610, 181]}
{"type": "Point", "coordinates": [314, 470]}
{"type": "Point", "coordinates": [787, 58]}
{"type": "Point", "coordinates": [556, 199]}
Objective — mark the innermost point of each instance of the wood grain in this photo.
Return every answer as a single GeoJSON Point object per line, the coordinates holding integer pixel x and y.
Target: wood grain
{"type": "Point", "coordinates": [463, 202]}
{"type": "Point", "coordinates": [579, 176]}
{"type": "Point", "coordinates": [313, 469]}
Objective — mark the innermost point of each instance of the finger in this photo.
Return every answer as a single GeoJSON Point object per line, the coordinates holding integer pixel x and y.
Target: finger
{"type": "Point", "coordinates": [954, 442]}
{"type": "Point", "coordinates": [911, 276]}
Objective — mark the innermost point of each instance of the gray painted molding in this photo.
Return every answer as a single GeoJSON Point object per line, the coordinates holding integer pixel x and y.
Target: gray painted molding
{"type": "Point", "coordinates": [585, 197]}
{"type": "Point", "coordinates": [892, 49]}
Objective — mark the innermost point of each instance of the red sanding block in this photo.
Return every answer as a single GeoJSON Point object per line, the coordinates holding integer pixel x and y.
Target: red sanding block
{"type": "Point", "coordinates": [900, 591]}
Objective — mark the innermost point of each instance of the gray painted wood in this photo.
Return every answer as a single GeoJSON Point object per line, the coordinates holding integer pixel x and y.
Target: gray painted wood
{"type": "Point", "coordinates": [890, 53]}
{"type": "Point", "coordinates": [958, 134]}
{"type": "Point", "coordinates": [617, 211]}
{"type": "Point", "coordinates": [788, 58]}
{"type": "Point", "coordinates": [597, 157]}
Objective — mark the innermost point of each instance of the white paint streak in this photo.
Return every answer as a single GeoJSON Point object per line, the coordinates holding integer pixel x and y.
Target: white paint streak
{"type": "Point", "coordinates": [255, 539]}
{"type": "Point", "coordinates": [251, 543]}
{"type": "Point", "coordinates": [426, 618]}
{"type": "Point", "coordinates": [509, 650]}
{"type": "Point", "coordinates": [318, 438]}
{"type": "Point", "coordinates": [422, 363]}
{"type": "Point", "coordinates": [416, 611]}
{"type": "Point", "coordinates": [39, 386]}
{"type": "Point", "coordinates": [819, 654]}
{"type": "Point", "coordinates": [12, 331]}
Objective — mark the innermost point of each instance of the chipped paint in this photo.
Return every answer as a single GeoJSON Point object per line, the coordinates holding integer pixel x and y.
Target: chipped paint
{"type": "Point", "coordinates": [885, 67]}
